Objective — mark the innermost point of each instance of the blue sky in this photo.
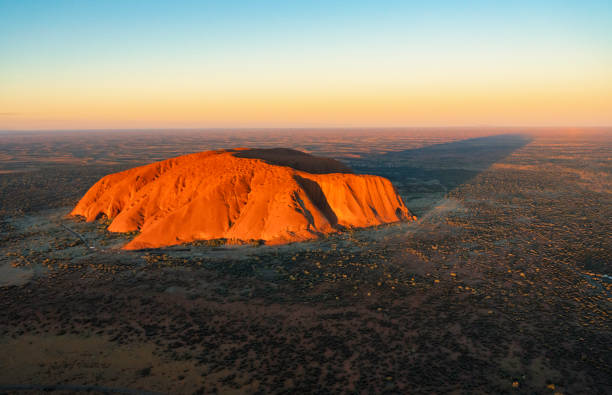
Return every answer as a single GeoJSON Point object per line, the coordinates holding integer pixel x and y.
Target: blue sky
{"type": "Point", "coordinates": [258, 63]}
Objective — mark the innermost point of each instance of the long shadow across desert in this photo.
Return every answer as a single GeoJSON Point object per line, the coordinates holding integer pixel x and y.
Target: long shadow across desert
{"type": "Point", "coordinates": [452, 164]}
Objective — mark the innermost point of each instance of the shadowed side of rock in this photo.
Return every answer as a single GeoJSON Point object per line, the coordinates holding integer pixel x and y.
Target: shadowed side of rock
{"type": "Point", "coordinates": [297, 160]}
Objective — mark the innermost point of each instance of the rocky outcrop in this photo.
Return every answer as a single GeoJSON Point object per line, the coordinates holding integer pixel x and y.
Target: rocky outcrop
{"type": "Point", "coordinates": [276, 196]}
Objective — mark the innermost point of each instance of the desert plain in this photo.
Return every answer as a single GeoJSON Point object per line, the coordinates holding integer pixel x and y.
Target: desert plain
{"type": "Point", "coordinates": [502, 284]}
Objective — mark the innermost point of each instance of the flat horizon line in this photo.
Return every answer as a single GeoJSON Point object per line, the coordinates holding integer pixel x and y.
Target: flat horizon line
{"type": "Point", "coordinates": [288, 128]}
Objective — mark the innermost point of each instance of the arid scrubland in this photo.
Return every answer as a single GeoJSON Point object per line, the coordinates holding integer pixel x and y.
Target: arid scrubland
{"type": "Point", "coordinates": [503, 284]}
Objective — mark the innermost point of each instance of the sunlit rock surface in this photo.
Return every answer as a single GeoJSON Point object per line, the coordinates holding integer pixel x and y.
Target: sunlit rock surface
{"type": "Point", "coordinates": [273, 195]}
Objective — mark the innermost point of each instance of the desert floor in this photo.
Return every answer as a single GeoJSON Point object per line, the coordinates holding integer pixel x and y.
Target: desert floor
{"type": "Point", "coordinates": [502, 286]}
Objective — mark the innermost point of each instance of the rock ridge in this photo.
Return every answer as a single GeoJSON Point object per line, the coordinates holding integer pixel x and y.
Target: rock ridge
{"type": "Point", "coordinates": [270, 195]}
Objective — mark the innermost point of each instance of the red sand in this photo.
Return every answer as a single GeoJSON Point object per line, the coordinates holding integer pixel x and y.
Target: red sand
{"type": "Point", "coordinates": [240, 195]}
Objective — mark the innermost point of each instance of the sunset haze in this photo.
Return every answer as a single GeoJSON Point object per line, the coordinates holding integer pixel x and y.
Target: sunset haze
{"type": "Point", "coordinates": [144, 64]}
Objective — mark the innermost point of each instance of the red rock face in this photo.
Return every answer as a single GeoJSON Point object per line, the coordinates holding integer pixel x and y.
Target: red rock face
{"type": "Point", "coordinates": [240, 195]}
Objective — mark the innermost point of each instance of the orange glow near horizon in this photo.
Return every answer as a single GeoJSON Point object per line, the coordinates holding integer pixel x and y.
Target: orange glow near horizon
{"type": "Point", "coordinates": [256, 66]}
{"type": "Point", "coordinates": [559, 107]}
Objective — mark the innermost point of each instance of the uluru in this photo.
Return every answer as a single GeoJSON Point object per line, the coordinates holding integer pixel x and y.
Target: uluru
{"type": "Point", "coordinates": [271, 195]}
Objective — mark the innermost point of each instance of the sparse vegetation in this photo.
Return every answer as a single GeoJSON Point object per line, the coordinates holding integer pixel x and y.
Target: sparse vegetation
{"type": "Point", "coordinates": [502, 285]}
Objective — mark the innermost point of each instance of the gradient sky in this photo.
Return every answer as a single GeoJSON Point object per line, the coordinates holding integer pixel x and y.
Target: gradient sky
{"type": "Point", "coordinates": [147, 64]}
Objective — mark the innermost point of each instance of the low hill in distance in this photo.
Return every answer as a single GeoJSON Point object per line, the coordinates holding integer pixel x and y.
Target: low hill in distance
{"type": "Point", "coordinates": [271, 195]}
